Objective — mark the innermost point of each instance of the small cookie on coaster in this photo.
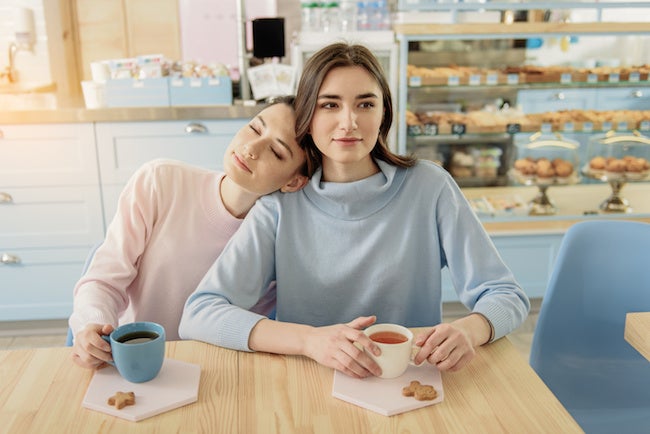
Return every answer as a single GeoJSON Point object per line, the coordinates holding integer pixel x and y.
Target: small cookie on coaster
{"type": "Point", "coordinates": [421, 392]}
{"type": "Point", "coordinates": [122, 399]}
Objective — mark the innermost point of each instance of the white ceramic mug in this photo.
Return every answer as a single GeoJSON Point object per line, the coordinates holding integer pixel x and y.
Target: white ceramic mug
{"type": "Point", "coordinates": [395, 342]}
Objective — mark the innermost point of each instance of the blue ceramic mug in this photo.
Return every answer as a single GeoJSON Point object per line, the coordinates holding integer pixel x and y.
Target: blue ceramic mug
{"type": "Point", "coordinates": [138, 350]}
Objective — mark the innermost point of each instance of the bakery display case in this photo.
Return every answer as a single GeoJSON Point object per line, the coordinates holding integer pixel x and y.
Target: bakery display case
{"type": "Point", "coordinates": [618, 158]}
{"type": "Point", "coordinates": [544, 161]}
{"type": "Point", "coordinates": [462, 86]}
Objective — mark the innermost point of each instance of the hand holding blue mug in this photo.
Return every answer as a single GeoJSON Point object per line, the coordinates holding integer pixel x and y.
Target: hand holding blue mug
{"type": "Point", "coordinates": [138, 350]}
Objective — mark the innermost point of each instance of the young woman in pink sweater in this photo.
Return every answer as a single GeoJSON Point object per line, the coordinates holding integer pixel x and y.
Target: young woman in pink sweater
{"type": "Point", "coordinates": [172, 222]}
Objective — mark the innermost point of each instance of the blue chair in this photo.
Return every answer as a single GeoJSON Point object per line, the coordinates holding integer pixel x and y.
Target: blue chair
{"type": "Point", "coordinates": [601, 273]}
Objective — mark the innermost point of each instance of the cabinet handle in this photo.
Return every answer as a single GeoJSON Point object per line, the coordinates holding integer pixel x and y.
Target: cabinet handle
{"type": "Point", "coordinates": [8, 259]}
{"type": "Point", "coordinates": [559, 96]}
{"type": "Point", "coordinates": [196, 128]}
{"type": "Point", "coordinates": [5, 197]}
{"type": "Point", "coordinates": [637, 94]}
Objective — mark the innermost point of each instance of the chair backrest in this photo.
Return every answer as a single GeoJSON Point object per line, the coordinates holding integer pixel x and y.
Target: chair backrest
{"type": "Point", "coordinates": [601, 273]}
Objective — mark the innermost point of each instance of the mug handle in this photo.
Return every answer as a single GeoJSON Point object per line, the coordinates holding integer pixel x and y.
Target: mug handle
{"type": "Point", "coordinates": [107, 338]}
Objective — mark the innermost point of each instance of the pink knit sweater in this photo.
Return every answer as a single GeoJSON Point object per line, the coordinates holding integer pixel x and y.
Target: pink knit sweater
{"type": "Point", "coordinates": [169, 228]}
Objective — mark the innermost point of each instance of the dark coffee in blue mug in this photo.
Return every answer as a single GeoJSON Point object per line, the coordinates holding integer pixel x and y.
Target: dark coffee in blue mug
{"type": "Point", "coordinates": [138, 350]}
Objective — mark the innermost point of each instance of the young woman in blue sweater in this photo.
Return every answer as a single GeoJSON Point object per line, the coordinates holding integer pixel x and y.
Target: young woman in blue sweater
{"type": "Point", "coordinates": [363, 242]}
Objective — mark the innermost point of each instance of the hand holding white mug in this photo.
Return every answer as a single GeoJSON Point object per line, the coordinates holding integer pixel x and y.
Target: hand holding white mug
{"type": "Point", "coordinates": [395, 343]}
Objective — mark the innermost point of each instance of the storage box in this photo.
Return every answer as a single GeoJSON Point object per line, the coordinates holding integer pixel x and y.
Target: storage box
{"type": "Point", "coordinates": [200, 91]}
{"type": "Point", "coordinates": [129, 92]}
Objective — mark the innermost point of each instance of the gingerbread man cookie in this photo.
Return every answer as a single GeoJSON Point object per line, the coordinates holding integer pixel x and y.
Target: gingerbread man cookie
{"type": "Point", "coordinates": [421, 392]}
{"type": "Point", "coordinates": [122, 399]}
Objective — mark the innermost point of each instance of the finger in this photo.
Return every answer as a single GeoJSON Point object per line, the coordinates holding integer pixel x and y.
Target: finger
{"type": "Point", "coordinates": [439, 356]}
{"type": "Point", "coordinates": [107, 329]}
{"type": "Point", "coordinates": [97, 341]}
{"type": "Point", "coordinates": [421, 338]}
{"type": "Point", "coordinates": [97, 348]}
{"type": "Point", "coordinates": [454, 362]}
{"type": "Point", "coordinates": [359, 357]}
{"type": "Point", "coordinates": [426, 351]}
{"type": "Point", "coordinates": [362, 322]}
{"type": "Point", "coordinates": [86, 361]}
{"type": "Point", "coordinates": [358, 365]}
{"type": "Point", "coordinates": [365, 342]}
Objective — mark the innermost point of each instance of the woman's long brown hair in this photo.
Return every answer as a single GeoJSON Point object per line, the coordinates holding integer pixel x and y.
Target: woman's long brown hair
{"type": "Point", "coordinates": [314, 72]}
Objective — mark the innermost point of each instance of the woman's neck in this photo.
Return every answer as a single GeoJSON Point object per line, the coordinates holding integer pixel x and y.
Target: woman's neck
{"type": "Point", "coordinates": [235, 199]}
{"type": "Point", "coordinates": [348, 172]}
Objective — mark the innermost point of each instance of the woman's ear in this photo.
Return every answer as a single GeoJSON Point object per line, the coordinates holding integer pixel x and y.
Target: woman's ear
{"type": "Point", "coordinates": [296, 183]}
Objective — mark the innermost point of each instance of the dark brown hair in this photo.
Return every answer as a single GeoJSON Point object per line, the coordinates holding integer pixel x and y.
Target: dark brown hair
{"type": "Point", "coordinates": [316, 68]}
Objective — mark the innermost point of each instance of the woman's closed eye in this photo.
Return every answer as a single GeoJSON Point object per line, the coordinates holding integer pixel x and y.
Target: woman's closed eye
{"type": "Point", "coordinates": [277, 154]}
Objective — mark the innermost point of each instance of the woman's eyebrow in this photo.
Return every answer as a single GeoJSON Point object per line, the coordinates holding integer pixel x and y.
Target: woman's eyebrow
{"type": "Point", "coordinates": [360, 96]}
{"type": "Point", "coordinates": [367, 95]}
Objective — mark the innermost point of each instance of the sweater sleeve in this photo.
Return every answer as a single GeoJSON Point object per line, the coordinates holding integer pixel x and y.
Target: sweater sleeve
{"type": "Point", "coordinates": [100, 295]}
{"type": "Point", "coordinates": [484, 283]}
{"type": "Point", "coordinates": [218, 311]}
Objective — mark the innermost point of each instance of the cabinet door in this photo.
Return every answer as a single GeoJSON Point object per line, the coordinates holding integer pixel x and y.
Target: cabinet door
{"type": "Point", "coordinates": [531, 259]}
{"type": "Point", "coordinates": [627, 98]}
{"type": "Point", "coordinates": [40, 285]}
{"type": "Point", "coordinates": [124, 146]}
{"type": "Point", "coordinates": [47, 155]}
{"type": "Point", "coordinates": [548, 100]}
{"type": "Point", "coordinates": [50, 217]}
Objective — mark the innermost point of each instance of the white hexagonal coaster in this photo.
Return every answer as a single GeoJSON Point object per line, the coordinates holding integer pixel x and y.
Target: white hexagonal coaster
{"type": "Point", "coordinates": [384, 396]}
{"type": "Point", "coordinates": [176, 385]}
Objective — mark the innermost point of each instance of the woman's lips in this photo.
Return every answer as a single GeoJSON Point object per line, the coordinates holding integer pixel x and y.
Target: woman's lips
{"type": "Point", "coordinates": [239, 161]}
{"type": "Point", "coordinates": [348, 141]}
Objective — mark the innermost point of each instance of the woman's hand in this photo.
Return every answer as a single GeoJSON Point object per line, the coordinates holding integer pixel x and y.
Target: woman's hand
{"type": "Point", "coordinates": [89, 349]}
{"type": "Point", "coordinates": [450, 347]}
{"type": "Point", "coordinates": [446, 346]}
{"type": "Point", "coordinates": [341, 347]}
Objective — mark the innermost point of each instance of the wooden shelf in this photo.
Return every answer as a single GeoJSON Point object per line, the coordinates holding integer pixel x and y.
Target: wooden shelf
{"type": "Point", "coordinates": [519, 29]}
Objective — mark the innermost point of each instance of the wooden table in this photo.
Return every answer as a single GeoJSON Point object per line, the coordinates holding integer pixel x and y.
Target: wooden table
{"type": "Point", "coordinates": [41, 392]}
{"type": "Point", "coordinates": [637, 331]}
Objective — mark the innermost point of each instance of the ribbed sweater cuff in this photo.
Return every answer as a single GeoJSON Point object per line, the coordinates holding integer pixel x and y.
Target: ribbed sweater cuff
{"type": "Point", "coordinates": [238, 330]}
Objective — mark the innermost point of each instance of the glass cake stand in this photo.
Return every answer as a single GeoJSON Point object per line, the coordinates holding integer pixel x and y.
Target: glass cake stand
{"type": "Point", "coordinates": [618, 158]}
{"type": "Point", "coordinates": [546, 160]}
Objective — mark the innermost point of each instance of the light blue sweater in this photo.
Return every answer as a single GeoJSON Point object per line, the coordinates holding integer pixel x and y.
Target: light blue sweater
{"type": "Point", "coordinates": [343, 250]}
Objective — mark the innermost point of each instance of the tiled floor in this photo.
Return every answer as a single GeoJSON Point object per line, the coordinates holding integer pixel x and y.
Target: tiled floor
{"type": "Point", "coordinates": [35, 334]}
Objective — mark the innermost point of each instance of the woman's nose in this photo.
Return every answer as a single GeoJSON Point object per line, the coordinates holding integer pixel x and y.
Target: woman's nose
{"type": "Point", "coordinates": [252, 149]}
{"type": "Point", "coordinates": [348, 120]}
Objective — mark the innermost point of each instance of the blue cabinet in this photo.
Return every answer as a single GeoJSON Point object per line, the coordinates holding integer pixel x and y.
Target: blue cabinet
{"type": "Point", "coordinates": [50, 215]}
